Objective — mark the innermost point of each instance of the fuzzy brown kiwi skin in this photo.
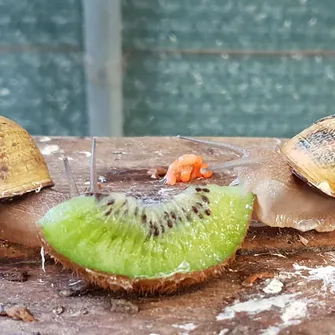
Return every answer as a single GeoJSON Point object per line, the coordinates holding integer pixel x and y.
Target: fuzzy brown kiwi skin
{"type": "Point", "coordinates": [139, 286]}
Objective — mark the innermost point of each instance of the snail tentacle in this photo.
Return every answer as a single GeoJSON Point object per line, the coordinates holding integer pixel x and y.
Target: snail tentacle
{"type": "Point", "coordinates": [235, 163]}
{"type": "Point", "coordinates": [72, 184]}
{"type": "Point", "coordinates": [234, 148]}
{"type": "Point", "coordinates": [93, 169]}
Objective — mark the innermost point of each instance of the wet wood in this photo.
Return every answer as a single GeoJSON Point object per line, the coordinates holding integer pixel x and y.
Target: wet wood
{"type": "Point", "coordinates": [297, 260]}
{"type": "Point", "coordinates": [207, 309]}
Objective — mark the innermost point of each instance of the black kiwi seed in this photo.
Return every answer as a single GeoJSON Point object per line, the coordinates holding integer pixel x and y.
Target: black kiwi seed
{"type": "Point", "coordinates": [199, 204]}
{"type": "Point", "coordinates": [205, 199]}
{"type": "Point", "coordinates": [173, 215]}
{"type": "Point", "coordinates": [144, 218]}
{"type": "Point", "coordinates": [169, 223]}
{"type": "Point", "coordinates": [153, 229]}
{"type": "Point", "coordinates": [198, 189]}
{"type": "Point", "coordinates": [162, 228]}
{"type": "Point", "coordinates": [208, 212]}
{"type": "Point", "coordinates": [156, 231]}
{"type": "Point", "coordinates": [195, 209]}
{"type": "Point", "coordinates": [108, 212]}
{"type": "Point", "coordinates": [206, 190]}
{"type": "Point", "coordinates": [110, 202]}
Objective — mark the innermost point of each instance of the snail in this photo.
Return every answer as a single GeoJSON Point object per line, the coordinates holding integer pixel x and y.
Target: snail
{"type": "Point", "coordinates": [303, 200]}
{"type": "Point", "coordinates": [22, 170]}
{"type": "Point", "coordinates": [293, 181]}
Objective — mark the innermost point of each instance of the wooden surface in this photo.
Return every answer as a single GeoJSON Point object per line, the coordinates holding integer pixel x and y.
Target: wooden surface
{"type": "Point", "coordinates": [302, 264]}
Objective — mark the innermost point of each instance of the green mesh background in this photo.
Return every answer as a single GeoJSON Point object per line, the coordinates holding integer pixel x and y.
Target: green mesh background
{"type": "Point", "coordinates": [193, 67]}
{"type": "Point", "coordinates": [42, 83]}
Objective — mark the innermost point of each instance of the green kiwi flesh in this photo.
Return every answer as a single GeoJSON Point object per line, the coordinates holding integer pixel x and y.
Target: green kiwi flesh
{"type": "Point", "coordinates": [118, 235]}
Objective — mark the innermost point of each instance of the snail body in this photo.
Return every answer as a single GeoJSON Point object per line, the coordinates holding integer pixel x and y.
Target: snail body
{"type": "Point", "coordinates": [18, 217]}
{"type": "Point", "coordinates": [22, 170]}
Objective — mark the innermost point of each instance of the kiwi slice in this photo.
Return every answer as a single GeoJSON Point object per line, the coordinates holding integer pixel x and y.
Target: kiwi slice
{"type": "Point", "coordinates": [119, 242]}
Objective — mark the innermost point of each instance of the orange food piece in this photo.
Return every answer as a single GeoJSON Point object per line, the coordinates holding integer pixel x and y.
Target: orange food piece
{"type": "Point", "coordinates": [186, 168]}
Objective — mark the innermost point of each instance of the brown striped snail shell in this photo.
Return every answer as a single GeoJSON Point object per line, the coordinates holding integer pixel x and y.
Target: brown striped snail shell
{"type": "Point", "coordinates": [22, 166]}
{"type": "Point", "coordinates": [311, 155]}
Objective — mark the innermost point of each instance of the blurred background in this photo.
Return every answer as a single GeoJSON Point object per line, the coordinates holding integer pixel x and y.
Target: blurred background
{"type": "Point", "coordinates": [167, 67]}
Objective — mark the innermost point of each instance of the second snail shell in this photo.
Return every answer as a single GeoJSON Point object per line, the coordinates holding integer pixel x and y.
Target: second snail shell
{"type": "Point", "coordinates": [22, 166]}
{"type": "Point", "coordinates": [311, 154]}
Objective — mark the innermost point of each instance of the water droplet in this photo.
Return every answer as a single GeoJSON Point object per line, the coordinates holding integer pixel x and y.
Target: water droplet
{"type": "Point", "coordinates": [313, 21]}
{"type": "Point", "coordinates": [288, 23]}
{"type": "Point", "coordinates": [297, 56]}
{"type": "Point", "coordinates": [330, 74]}
{"type": "Point", "coordinates": [198, 78]}
{"type": "Point", "coordinates": [224, 56]}
{"type": "Point", "coordinates": [261, 16]}
{"type": "Point", "coordinates": [64, 106]}
{"type": "Point", "coordinates": [173, 38]}
{"type": "Point", "coordinates": [4, 92]}
{"type": "Point", "coordinates": [235, 182]}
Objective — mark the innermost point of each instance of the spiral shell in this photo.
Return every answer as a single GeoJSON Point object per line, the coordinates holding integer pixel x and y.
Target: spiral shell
{"type": "Point", "coordinates": [22, 166]}
{"type": "Point", "coordinates": [311, 154]}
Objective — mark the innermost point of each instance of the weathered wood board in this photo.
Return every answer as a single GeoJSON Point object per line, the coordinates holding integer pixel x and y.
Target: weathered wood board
{"type": "Point", "coordinates": [302, 265]}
